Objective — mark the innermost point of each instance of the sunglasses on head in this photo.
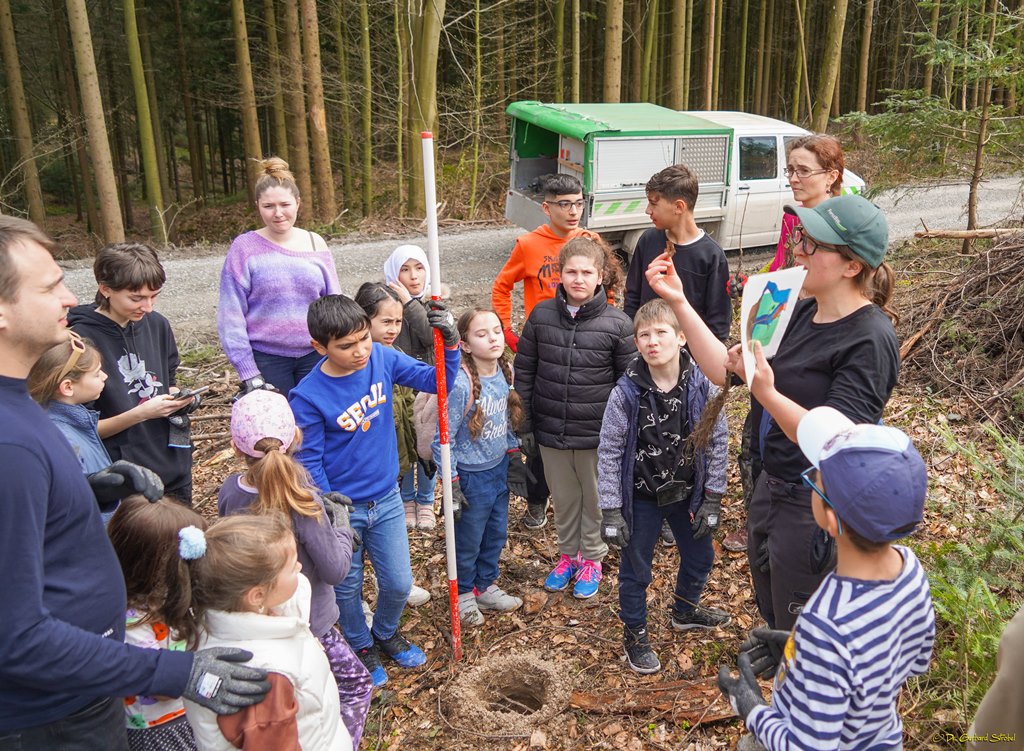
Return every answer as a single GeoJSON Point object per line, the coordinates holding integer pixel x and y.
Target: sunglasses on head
{"type": "Point", "coordinates": [77, 349]}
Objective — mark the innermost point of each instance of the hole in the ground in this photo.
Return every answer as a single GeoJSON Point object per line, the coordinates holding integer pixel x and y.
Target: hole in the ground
{"type": "Point", "coordinates": [522, 699]}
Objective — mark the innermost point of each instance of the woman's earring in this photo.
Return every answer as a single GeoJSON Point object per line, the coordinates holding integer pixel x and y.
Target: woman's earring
{"type": "Point", "coordinates": [262, 608]}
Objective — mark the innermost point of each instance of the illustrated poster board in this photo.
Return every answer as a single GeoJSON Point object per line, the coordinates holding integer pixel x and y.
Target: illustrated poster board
{"type": "Point", "coordinates": [767, 305]}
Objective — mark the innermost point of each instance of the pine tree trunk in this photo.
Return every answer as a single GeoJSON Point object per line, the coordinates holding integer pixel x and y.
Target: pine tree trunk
{"type": "Point", "coordinates": [613, 51]}
{"type": "Point", "coordinates": [832, 57]}
{"type": "Point", "coordinates": [762, 20]}
{"type": "Point", "coordinates": [147, 146]}
{"type": "Point", "coordinates": [650, 36]}
{"type": "Point", "coordinates": [741, 85]}
{"type": "Point", "coordinates": [323, 176]}
{"type": "Point", "coordinates": [559, 11]}
{"type": "Point", "coordinates": [717, 70]}
{"type": "Point", "coordinates": [247, 98]}
{"type": "Point", "coordinates": [799, 60]}
{"type": "Point", "coordinates": [279, 129]}
{"type": "Point", "coordinates": [865, 54]}
{"type": "Point", "coordinates": [19, 116]}
{"type": "Point", "coordinates": [709, 54]}
{"type": "Point", "coordinates": [677, 55]}
{"type": "Point", "coordinates": [345, 104]}
{"type": "Point", "coordinates": [195, 149]}
{"type": "Point", "coordinates": [400, 14]}
{"type": "Point", "coordinates": [163, 163]}
{"type": "Point", "coordinates": [112, 228]}
{"type": "Point", "coordinates": [424, 99]}
{"type": "Point", "coordinates": [75, 107]}
{"type": "Point", "coordinates": [295, 105]}
{"type": "Point", "coordinates": [478, 85]}
{"type": "Point", "coordinates": [366, 111]}
{"type": "Point", "coordinates": [499, 54]}
{"type": "Point", "coordinates": [688, 54]}
{"type": "Point", "coordinates": [576, 51]}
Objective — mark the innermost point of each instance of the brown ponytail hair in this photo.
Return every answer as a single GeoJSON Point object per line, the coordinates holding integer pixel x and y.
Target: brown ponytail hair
{"type": "Point", "coordinates": [274, 173]}
{"type": "Point", "coordinates": [600, 255]}
{"type": "Point", "coordinates": [876, 285]}
{"type": "Point", "coordinates": [242, 551]}
{"type": "Point", "coordinates": [515, 402]}
{"type": "Point", "coordinates": [145, 539]}
{"type": "Point", "coordinates": [282, 484]}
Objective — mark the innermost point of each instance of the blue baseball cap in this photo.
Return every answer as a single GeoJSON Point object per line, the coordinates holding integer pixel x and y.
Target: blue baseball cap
{"type": "Point", "coordinates": [874, 477]}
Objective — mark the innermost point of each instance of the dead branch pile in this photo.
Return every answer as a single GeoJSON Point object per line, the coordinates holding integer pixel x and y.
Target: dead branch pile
{"type": "Point", "coordinates": [963, 336]}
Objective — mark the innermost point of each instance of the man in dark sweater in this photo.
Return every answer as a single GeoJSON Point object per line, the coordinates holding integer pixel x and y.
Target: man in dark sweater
{"type": "Point", "coordinates": [699, 260]}
{"type": "Point", "coordinates": [62, 656]}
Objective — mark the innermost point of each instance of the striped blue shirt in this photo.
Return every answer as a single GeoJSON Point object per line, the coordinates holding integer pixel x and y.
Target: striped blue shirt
{"type": "Point", "coordinates": [854, 645]}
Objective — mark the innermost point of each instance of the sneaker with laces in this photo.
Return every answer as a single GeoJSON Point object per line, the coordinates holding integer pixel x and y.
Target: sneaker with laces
{"type": "Point", "coordinates": [469, 610]}
{"type": "Point", "coordinates": [417, 596]}
{"type": "Point", "coordinates": [700, 617]}
{"type": "Point", "coordinates": [494, 598]}
{"type": "Point", "coordinates": [736, 542]}
{"type": "Point", "coordinates": [587, 581]}
{"type": "Point", "coordinates": [562, 574]}
{"type": "Point", "coordinates": [410, 514]}
{"type": "Point", "coordinates": [370, 658]}
{"type": "Point", "coordinates": [425, 518]}
{"type": "Point", "coordinates": [536, 516]}
{"type": "Point", "coordinates": [668, 537]}
{"type": "Point", "coordinates": [399, 649]}
{"type": "Point", "coordinates": [639, 655]}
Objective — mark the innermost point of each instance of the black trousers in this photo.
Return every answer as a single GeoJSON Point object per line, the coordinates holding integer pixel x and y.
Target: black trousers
{"type": "Point", "coordinates": [537, 489]}
{"type": "Point", "coordinates": [98, 727]}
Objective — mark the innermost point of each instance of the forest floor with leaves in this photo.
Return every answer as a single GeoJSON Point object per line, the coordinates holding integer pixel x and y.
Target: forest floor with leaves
{"type": "Point", "coordinates": [552, 675]}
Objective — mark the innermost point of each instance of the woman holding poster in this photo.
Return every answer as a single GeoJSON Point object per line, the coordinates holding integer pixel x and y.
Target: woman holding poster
{"type": "Point", "coordinates": [840, 350]}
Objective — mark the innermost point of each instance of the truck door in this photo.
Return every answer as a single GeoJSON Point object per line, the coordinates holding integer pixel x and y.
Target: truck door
{"type": "Point", "coordinates": [755, 213]}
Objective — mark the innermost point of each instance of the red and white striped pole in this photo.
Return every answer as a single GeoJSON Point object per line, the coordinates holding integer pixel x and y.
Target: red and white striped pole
{"type": "Point", "coordinates": [433, 255]}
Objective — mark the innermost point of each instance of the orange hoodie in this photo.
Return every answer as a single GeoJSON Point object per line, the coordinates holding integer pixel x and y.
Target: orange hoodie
{"type": "Point", "coordinates": [534, 262]}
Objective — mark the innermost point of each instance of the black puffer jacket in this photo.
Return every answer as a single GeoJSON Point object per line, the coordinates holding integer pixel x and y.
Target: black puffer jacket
{"type": "Point", "coordinates": [566, 367]}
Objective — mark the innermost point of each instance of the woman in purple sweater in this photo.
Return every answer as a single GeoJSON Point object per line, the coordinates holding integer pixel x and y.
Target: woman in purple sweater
{"type": "Point", "coordinates": [270, 277]}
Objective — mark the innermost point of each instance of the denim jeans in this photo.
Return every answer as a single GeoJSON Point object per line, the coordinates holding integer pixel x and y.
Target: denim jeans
{"type": "Point", "coordinates": [99, 726]}
{"type": "Point", "coordinates": [695, 560]}
{"type": "Point", "coordinates": [482, 531]}
{"type": "Point", "coordinates": [381, 524]}
{"type": "Point", "coordinates": [417, 486]}
{"type": "Point", "coordinates": [284, 373]}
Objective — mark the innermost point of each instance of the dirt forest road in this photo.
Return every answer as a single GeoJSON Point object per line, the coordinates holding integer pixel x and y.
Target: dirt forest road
{"type": "Point", "coordinates": [471, 258]}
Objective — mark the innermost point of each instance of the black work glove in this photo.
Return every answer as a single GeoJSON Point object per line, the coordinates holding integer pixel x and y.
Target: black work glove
{"type": "Point", "coordinates": [429, 467]}
{"type": "Point", "coordinates": [193, 404]}
{"type": "Point", "coordinates": [528, 443]}
{"type": "Point", "coordinates": [122, 479]}
{"type": "Point", "coordinates": [765, 648]}
{"type": "Point", "coordinates": [706, 520]}
{"type": "Point", "coordinates": [252, 384]}
{"type": "Point", "coordinates": [762, 562]}
{"type": "Point", "coordinates": [337, 507]}
{"type": "Point", "coordinates": [614, 529]}
{"type": "Point", "coordinates": [743, 692]}
{"type": "Point", "coordinates": [440, 318]}
{"type": "Point", "coordinates": [459, 501]}
{"type": "Point", "coordinates": [516, 474]}
{"type": "Point", "coordinates": [220, 683]}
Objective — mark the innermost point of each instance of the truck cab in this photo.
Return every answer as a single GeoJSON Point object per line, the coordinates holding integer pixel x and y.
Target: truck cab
{"type": "Point", "coordinates": [613, 149]}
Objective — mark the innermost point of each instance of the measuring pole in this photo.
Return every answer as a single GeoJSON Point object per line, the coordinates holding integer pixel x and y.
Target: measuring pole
{"type": "Point", "coordinates": [433, 255]}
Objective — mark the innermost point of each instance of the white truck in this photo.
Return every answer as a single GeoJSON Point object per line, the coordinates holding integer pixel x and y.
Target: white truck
{"type": "Point", "coordinates": [615, 148]}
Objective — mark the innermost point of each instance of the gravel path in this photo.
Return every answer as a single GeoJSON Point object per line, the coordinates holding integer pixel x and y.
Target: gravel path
{"type": "Point", "coordinates": [470, 259]}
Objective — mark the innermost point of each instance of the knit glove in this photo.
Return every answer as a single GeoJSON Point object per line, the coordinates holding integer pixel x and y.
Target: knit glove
{"type": "Point", "coordinates": [459, 501]}
{"type": "Point", "coordinates": [337, 507]}
{"type": "Point", "coordinates": [765, 648]}
{"type": "Point", "coordinates": [743, 692]}
{"type": "Point", "coordinates": [219, 683]}
{"type": "Point", "coordinates": [528, 443]}
{"type": "Point", "coordinates": [179, 431]}
{"type": "Point", "coordinates": [429, 467]}
{"type": "Point", "coordinates": [122, 479]}
{"type": "Point", "coordinates": [706, 520]}
{"type": "Point", "coordinates": [440, 318]}
{"type": "Point", "coordinates": [516, 474]}
{"type": "Point", "coordinates": [614, 529]}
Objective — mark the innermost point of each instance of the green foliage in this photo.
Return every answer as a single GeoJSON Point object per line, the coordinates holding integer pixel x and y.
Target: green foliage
{"type": "Point", "coordinates": [977, 585]}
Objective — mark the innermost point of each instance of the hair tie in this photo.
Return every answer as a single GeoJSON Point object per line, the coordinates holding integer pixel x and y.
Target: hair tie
{"type": "Point", "coordinates": [192, 543]}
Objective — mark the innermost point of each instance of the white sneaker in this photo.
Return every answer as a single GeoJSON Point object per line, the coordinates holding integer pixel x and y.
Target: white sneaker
{"type": "Point", "coordinates": [493, 598]}
{"type": "Point", "coordinates": [367, 614]}
{"type": "Point", "coordinates": [417, 596]}
{"type": "Point", "coordinates": [469, 613]}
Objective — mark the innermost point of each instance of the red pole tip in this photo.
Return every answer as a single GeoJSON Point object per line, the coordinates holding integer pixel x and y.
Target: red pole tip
{"type": "Point", "coordinates": [426, 134]}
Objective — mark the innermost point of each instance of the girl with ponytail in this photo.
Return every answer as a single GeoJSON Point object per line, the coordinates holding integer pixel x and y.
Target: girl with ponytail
{"type": "Point", "coordinates": [264, 434]}
{"type": "Point", "coordinates": [484, 412]}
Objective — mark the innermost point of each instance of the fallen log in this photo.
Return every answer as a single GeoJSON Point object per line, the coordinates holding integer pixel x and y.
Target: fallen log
{"type": "Point", "coordinates": [693, 701]}
{"type": "Point", "coordinates": [968, 234]}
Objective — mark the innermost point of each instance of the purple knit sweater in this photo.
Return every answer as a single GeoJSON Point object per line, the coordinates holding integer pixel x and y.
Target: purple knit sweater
{"type": "Point", "coordinates": [265, 291]}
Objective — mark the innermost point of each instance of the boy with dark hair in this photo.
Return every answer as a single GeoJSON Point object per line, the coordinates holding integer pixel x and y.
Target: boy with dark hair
{"type": "Point", "coordinates": [870, 625]}
{"type": "Point", "coordinates": [652, 469]}
{"type": "Point", "coordinates": [534, 262]}
{"type": "Point", "coordinates": [349, 446]}
{"type": "Point", "coordinates": [141, 421]}
{"type": "Point", "coordinates": [699, 260]}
